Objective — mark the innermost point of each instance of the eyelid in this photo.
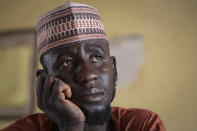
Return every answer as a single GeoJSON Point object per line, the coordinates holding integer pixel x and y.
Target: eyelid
{"type": "Point", "coordinates": [65, 59]}
{"type": "Point", "coordinates": [96, 55]}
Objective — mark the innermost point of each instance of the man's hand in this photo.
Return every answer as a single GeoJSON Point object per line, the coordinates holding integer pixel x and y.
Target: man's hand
{"type": "Point", "coordinates": [53, 98]}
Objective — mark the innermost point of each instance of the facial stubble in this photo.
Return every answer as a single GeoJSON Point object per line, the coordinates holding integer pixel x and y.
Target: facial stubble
{"type": "Point", "coordinates": [98, 117]}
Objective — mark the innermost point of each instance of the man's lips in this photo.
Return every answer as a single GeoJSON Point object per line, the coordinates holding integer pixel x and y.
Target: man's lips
{"type": "Point", "coordinates": [92, 96]}
{"type": "Point", "coordinates": [90, 93]}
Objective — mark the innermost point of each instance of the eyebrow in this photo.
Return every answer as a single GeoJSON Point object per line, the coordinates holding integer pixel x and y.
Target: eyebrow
{"type": "Point", "coordinates": [95, 48]}
{"type": "Point", "coordinates": [63, 54]}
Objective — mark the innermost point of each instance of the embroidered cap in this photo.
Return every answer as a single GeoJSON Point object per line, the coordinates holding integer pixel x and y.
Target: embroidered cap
{"type": "Point", "coordinates": [67, 24]}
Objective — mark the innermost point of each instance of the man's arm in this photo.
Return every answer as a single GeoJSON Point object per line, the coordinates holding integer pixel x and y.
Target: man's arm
{"type": "Point", "coordinates": [53, 98]}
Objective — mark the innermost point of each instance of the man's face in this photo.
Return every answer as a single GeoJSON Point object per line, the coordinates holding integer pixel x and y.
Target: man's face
{"type": "Point", "coordinates": [89, 71]}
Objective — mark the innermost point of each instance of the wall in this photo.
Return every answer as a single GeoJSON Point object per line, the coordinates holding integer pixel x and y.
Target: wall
{"type": "Point", "coordinates": [167, 83]}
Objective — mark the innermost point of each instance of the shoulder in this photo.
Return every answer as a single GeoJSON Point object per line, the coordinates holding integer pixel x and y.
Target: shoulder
{"type": "Point", "coordinates": [32, 123]}
{"type": "Point", "coordinates": [137, 118]}
{"type": "Point", "coordinates": [130, 110]}
{"type": "Point", "coordinates": [132, 113]}
{"type": "Point", "coordinates": [38, 118]}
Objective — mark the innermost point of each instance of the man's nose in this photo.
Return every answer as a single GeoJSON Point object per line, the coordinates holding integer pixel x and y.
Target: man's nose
{"type": "Point", "coordinates": [86, 74]}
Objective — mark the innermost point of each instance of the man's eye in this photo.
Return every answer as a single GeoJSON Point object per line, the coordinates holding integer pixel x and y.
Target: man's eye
{"type": "Point", "coordinates": [96, 58]}
{"type": "Point", "coordinates": [67, 63]}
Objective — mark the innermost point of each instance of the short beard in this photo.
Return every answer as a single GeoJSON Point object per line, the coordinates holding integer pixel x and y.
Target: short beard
{"type": "Point", "coordinates": [97, 117]}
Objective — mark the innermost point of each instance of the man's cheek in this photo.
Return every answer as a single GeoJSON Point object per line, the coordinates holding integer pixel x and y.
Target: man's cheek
{"type": "Point", "coordinates": [107, 83]}
{"type": "Point", "coordinates": [66, 77]}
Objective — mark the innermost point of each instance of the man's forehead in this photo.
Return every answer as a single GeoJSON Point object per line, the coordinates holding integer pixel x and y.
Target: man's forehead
{"type": "Point", "coordinates": [93, 44]}
{"type": "Point", "coordinates": [87, 46]}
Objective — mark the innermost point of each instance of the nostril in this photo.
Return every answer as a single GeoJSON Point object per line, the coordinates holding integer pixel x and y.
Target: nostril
{"type": "Point", "coordinates": [88, 79]}
{"type": "Point", "coordinates": [84, 81]}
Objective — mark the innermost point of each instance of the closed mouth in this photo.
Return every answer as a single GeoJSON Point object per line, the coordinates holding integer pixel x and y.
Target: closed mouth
{"type": "Point", "coordinates": [90, 97]}
{"type": "Point", "coordinates": [90, 94]}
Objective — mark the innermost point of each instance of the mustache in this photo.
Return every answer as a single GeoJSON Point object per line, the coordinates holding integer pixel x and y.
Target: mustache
{"type": "Point", "coordinates": [93, 91]}
{"type": "Point", "coordinates": [88, 89]}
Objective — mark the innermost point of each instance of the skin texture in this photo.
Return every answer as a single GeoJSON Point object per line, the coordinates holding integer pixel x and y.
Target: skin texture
{"type": "Point", "coordinates": [76, 77]}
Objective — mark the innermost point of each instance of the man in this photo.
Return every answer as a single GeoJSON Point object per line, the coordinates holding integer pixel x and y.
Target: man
{"type": "Point", "coordinates": [77, 84]}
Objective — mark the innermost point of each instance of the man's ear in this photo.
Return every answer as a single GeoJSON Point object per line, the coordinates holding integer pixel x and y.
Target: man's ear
{"type": "Point", "coordinates": [113, 60]}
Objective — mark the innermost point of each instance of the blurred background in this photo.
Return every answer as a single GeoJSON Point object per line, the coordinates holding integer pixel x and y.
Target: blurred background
{"type": "Point", "coordinates": [164, 81]}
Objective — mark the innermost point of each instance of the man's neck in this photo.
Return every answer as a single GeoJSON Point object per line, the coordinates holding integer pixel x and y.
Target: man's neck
{"type": "Point", "coordinates": [104, 127]}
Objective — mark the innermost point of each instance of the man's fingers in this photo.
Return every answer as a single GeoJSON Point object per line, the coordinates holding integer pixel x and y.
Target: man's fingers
{"type": "Point", "coordinates": [38, 91]}
{"type": "Point", "coordinates": [46, 86]}
{"type": "Point", "coordinates": [49, 83]}
{"type": "Point", "coordinates": [67, 91]}
{"type": "Point", "coordinates": [49, 89]}
{"type": "Point", "coordinates": [61, 90]}
{"type": "Point", "coordinates": [54, 91]}
{"type": "Point", "coordinates": [40, 88]}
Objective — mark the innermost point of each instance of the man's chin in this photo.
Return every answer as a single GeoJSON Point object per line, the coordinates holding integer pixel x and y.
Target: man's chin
{"type": "Point", "coordinates": [96, 115]}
